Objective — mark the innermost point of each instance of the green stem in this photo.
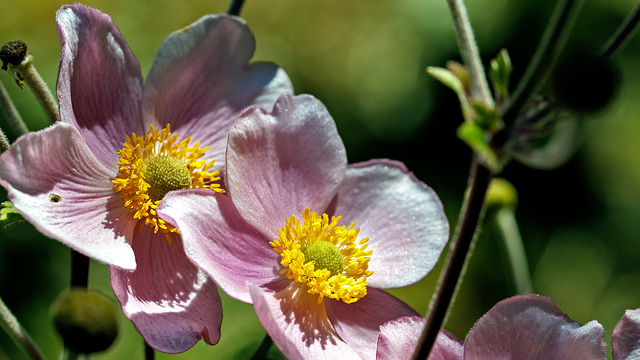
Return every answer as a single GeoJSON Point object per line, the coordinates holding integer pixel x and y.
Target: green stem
{"type": "Point", "coordinates": [79, 270]}
{"type": "Point", "coordinates": [623, 33]}
{"type": "Point", "coordinates": [234, 7]}
{"type": "Point", "coordinates": [4, 142]}
{"type": "Point", "coordinates": [30, 75]}
{"type": "Point", "coordinates": [469, 51]}
{"type": "Point", "coordinates": [466, 231]}
{"type": "Point", "coordinates": [11, 325]}
{"type": "Point", "coordinates": [542, 62]}
{"type": "Point", "coordinates": [263, 350]}
{"type": "Point", "coordinates": [508, 228]}
{"type": "Point", "coordinates": [12, 113]}
{"type": "Point", "coordinates": [149, 352]}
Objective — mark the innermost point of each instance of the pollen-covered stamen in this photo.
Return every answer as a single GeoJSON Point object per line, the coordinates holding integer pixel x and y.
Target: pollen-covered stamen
{"type": "Point", "coordinates": [324, 256]}
{"type": "Point", "coordinates": [152, 165]}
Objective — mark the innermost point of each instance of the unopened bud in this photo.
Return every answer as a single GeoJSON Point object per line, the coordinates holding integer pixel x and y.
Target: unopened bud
{"type": "Point", "coordinates": [86, 320]}
{"type": "Point", "coordinates": [501, 194]}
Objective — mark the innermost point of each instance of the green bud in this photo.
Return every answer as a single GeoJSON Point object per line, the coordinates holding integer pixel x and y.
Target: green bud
{"type": "Point", "coordinates": [86, 320]}
{"type": "Point", "coordinates": [501, 194]}
{"type": "Point", "coordinates": [500, 73]}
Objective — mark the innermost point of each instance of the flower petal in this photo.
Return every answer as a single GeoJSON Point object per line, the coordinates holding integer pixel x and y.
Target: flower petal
{"type": "Point", "coordinates": [99, 82]}
{"type": "Point", "coordinates": [625, 339]}
{"type": "Point", "coordinates": [200, 81]}
{"type": "Point", "coordinates": [359, 323]}
{"type": "Point", "coordinates": [280, 163]}
{"type": "Point", "coordinates": [220, 242]}
{"type": "Point", "coordinates": [532, 327]}
{"type": "Point", "coordinates": [57, 184]}
{"type": "Point", "coordinates": [170, 302]}
{"type": "Point", "coordinates": [398, 339]}
{"type": "Point", "coordinates": [402, 217]}
{"type": "Point", "coordinates": [298, 324]}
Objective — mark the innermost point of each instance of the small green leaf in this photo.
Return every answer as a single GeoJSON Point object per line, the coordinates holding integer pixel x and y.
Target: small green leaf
{"type": "Point", "coordinates": [474, 136]}
{"type": "Point", "coordinates": [487, 117]}
{"type": "Point", "coordinates": [451, 80]}
{"type": "Point", "coordinates": [9, 215]}
{"type": "Point", "coordinates": [500, 73]}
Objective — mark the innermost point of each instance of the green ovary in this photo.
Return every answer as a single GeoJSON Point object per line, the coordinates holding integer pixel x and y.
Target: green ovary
{"type": "Point", "coordinates": [163, 174]}
{"type": "Point", "coordinates": [326, 256]}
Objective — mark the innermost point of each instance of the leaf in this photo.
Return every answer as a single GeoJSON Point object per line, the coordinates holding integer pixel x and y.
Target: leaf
{"type": "Point", "coordinates": [9, 215]}
{"type": "Point", "coordinates": [474, 136]}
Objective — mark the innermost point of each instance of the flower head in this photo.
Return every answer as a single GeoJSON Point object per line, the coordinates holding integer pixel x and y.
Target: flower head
{"type": "Point", "coordinates": [94, 180]}
{"type": "Point", "coordinates": [307, 239]}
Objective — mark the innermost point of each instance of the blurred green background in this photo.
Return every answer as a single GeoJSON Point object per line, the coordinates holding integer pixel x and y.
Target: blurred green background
{"type": "Point", "coordinates": [365, 60]}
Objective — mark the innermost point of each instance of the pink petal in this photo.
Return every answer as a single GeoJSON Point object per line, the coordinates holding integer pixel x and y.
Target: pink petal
{"type": "Point", "coordinates": [402, 217]}
{"type": "Point", "coordinates": [359, 323]}
{"type": "Point", "coordinates": [58, 185]}
{"type": "Point", "coordinates": [298, 325]}
{"type": "Point", "coordinates": [170, 302]}
{"type": "Point", "coordinates": [625, 339]}
{"type": "Point", "coordinates": [532, 327]}
{"type": "Point", "coordinates": [220, 242]}
{"type": "Point", "coordinates": [280, 163]}
{"type": "Point", "coordinates": [398, 339]}
{"type": "Point", "coordinates": [201, 80]}
{"type": "Point", "coordinates": [99, 83]}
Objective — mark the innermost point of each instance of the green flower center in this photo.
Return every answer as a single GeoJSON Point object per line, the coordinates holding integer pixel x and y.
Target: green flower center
{"type": "Point", "coordinates": [326, 256]}
{"type": "Point", "coordinates": [163, 174]}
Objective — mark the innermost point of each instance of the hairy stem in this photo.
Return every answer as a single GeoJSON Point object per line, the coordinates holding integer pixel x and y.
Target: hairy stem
{"type": "Point", "coordinates": [30, 75]}
{"type": "Point", "coordinates": [470, 216]}
{"type": "Point", "coordinates": [12, 113]}
{"type": "Point", "coordinates": [11, 325]}
{"type": "Point", "coordinates": [469, 51]}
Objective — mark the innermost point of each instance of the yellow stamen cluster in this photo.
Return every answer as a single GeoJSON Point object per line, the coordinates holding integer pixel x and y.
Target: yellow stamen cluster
{"type": "Point", "coordinates": [349, 282]}
{"type": "Point", "coordinates": [146, 173]}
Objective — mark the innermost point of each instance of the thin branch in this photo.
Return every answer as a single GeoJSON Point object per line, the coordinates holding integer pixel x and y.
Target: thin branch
{"type": "Point", "coordinates": [11, 325]}
{"type": "Point", "coordinates": [79, 269]}
{"type": "Point", "coordinates": [623, 33]}
{"type": "Point", "coordinates": [543, 59]}
{"type": "Point", "coordinates": [469, 51]}
{"type": "Point", "coordinates": [12, 113]}
{"type": "Point", "coordinates": [263, 349]}
{"type": "Point", "coordinates": [470, 216]}
{"type": "Point", "coordinates": [234, 7]}
{"type": "Point", "coordinates": [30, 75]}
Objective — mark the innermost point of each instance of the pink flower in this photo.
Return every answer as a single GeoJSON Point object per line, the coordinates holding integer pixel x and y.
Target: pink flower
{"type": "Point", "coordinates": [307, 239]}
{"type": "Point", "coordinates": [94, 180]}
{"type": "Point", "coordinates": [521, 327]}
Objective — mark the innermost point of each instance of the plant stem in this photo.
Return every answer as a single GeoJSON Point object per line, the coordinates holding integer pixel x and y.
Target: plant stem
{"type": "Point", "coordinates": [263, 350]}
{"type": "Point", "coordinates": [11, 325]}
{"type": "Point", "coordinates": [505, 220]}
{"type": "Point", "coordinates": [543, 59]}
{"type": "Point", "coordinates": [12, 113]}
{"type": "Point", "coordinates": [4, 142]}
{"type": "Point", "coordinates": [469, 51]}
{"type": "Point", "coordinates": [149, 352]}
{"type": "Point", "coordinates": [623, 33]}
{"type": "Point", "coordinates": [30, 75]}
{"type": "Point", "coordinates": [234, 7]}
{"type": "Point", "coordinates": [79, 270]}
{"type": "Point", "coordinates": [470, 216]}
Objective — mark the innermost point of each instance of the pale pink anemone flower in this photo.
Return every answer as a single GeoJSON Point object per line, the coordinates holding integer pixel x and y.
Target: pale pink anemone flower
{"type": "Point", "coordinates": [308, 275]}
{"type": "Point", "coordinates": [78, 182]}
{"type": "Point", "coordinates": [522, 327]}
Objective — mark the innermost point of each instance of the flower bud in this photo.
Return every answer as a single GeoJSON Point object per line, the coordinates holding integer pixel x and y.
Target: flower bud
{"type": "Point", "coordinates": [501, 194]}
{"type": "Point", "coordinates": [86, 320]}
